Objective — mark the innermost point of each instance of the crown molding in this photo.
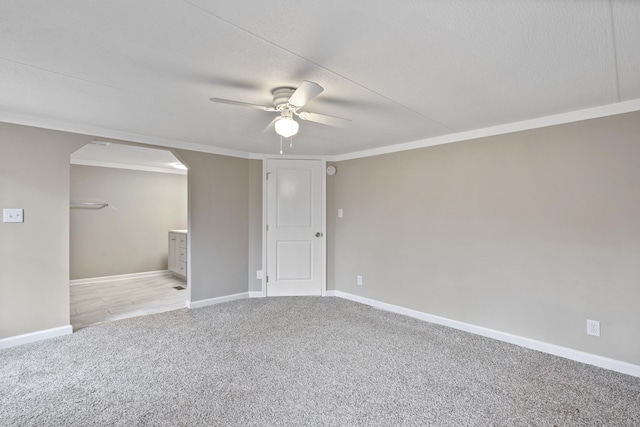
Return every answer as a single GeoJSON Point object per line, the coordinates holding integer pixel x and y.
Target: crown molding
{"type": "Point", "coordinates": [96, 131]}
{"type": "Point", "coordinates": [541, 122]}
{"type": "Point", "coordinates": [262, 156]}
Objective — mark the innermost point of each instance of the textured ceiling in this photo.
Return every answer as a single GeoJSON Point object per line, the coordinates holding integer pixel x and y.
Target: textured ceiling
{"type": "Point", "coordinates": [402, 71]}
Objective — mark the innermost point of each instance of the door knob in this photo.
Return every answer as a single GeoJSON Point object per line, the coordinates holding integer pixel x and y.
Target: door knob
{"type": "Point", "coordinates": [318, 234]}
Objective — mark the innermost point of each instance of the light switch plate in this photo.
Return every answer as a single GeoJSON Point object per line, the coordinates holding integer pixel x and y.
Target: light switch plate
{"type": "Point", "coordinates": [12, 215]}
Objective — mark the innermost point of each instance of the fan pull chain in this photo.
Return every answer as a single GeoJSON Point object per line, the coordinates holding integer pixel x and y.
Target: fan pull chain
{"type": "Point", "coordinates": [280, 144]}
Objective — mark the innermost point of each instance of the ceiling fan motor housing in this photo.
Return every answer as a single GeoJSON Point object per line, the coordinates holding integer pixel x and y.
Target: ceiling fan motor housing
{"type": "Point", "coordinates": [281, 96]}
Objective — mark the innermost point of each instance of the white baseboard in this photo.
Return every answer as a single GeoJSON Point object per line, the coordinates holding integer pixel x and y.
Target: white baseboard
{"type": "Point", "coordinates": [256, 294]}
{"type": "Point", "coordinates": [330, 293]}
{"type": "Point", "coordinates": [218, 300]}
{"type": "Point", "coordinates": [119, 277]}
{"type": "Point", "coordinates": [556, 350]}
{"type": "Point", "coordinates": [35, 336]}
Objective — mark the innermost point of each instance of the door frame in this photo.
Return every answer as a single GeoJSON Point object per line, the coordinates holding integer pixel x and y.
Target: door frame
{"type": "Point", "coordinates": [323, 208]}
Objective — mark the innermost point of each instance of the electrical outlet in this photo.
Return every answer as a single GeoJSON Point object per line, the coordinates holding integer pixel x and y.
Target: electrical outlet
{"type": "Point", "coordinates": [259, 274]}
{"type": "Point", "coordinates": [593, 328]}
{"type": "Point", "coordinates": [359, 280]}
{"type": "Point", "coordinates": [340, 213]}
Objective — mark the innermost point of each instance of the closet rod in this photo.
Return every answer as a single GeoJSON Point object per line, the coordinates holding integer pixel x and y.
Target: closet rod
{"type": "Point", "coordinates": [90, 205]}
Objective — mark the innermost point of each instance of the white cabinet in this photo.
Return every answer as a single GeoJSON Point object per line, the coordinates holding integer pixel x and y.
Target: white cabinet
{"type": "Point", "coordinates": [178, 253]}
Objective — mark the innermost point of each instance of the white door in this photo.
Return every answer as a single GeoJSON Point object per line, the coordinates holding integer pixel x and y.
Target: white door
{"type": "Point", "coordinates": [295, 238]}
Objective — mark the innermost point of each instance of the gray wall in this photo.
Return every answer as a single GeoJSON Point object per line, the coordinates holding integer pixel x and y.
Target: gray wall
{"type": "Point", "coordinates": [34, 255]}
{"type": "Point", "coordinates": [529, 233]}
{"type": "Point", "coordinates": [218, 223]}
{"type": "Point", "coordinates": [129, 236]}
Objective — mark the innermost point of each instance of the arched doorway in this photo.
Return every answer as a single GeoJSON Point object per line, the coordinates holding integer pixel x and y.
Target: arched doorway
{"type": "Point", "coordinates": [125, 201]}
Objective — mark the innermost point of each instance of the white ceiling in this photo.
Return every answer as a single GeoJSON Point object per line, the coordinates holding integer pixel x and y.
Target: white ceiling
{"type": "Point", "coordinates": [402, 71]}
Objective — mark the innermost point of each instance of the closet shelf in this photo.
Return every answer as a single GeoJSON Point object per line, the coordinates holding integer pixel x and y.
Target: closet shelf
{"type": "Point", "coordinates": [88, 205]}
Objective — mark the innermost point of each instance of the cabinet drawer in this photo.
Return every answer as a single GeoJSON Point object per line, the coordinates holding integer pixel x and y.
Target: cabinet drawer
{"type": "Point", "coordinates": [182, 267]}
{"type": "Point", "coordinates": [182, 255]}
{"type": "Point", "coordinates": [182, 241]}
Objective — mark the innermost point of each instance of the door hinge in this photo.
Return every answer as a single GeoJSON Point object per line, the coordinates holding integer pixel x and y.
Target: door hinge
{"type": "Point", "coordinates": [267, 279]}
{"type": "Point", "coordinates": [268, 173]}
{"type": "Point", "coordinates": [267, 227]}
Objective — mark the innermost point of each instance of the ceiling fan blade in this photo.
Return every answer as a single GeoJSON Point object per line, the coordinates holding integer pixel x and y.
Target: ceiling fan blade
{"type": "Point", "coordinates": [305, 93]}
{"type": "Point", "coordinates": [325, 120]}
{"type": "Point", "coordinates": [241, 104]}
{"type": "Point", "coordinates": [271, 126]}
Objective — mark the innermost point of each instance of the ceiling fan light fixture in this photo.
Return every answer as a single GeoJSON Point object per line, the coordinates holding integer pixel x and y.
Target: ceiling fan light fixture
{"type": "Point", "coordinates": [286, 127]}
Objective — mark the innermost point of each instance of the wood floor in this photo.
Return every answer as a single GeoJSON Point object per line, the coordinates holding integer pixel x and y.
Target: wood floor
{"type": "Point", "coordinates": [96, 303]}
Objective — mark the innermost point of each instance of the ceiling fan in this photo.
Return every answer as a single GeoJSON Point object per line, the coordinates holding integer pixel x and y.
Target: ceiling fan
{"type": "Point", "coordinates": [288, 101]}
